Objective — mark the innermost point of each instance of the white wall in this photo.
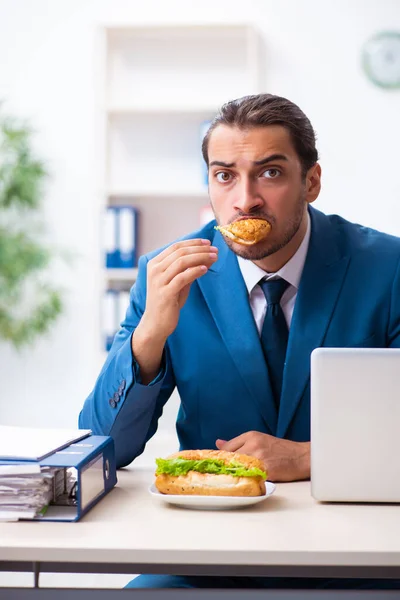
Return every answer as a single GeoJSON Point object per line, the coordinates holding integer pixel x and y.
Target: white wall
{"type": "Point", "coordinates": [49, 73]}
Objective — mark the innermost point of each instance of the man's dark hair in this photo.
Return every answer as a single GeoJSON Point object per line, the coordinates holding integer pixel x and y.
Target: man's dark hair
{"type": "Point", "coordinates": [261, 110]}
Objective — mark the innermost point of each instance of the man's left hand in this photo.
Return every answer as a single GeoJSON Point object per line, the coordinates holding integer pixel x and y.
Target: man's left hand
{"type": "Point", "coordinates": [284, 460]}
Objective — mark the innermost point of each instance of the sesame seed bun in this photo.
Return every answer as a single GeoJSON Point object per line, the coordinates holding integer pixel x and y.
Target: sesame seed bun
{"type": "Point", "coordinates": [207, 484]}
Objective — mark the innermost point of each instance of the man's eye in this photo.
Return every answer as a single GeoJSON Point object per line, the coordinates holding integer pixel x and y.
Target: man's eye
{"type": "Point", "coordinates": [271, 173]}
{"type": "Point", "coordinates": [223, 176]}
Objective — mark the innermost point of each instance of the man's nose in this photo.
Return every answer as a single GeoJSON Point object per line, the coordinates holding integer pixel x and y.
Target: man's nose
{"type": "Point", "coordinates": [248, 199]}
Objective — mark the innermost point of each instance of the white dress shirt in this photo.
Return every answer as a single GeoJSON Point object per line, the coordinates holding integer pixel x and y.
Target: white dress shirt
{"type": "Point", "coordinates": [291, 272]}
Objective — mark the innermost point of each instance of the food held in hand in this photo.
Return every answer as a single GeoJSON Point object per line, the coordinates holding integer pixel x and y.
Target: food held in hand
{"type": "Point", "coordinates": [246, 231]}
{"type": "Point", "coordinates": [210, 473]}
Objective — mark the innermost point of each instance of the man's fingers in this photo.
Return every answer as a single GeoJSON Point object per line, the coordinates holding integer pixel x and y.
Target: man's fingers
{"type": "Point", "coordinates": [188, 261]}
{"type": "Point", "coordinates": [220, 444]}
{"type": "Point", "coordinates": [186, 278]}
{"type": "Point", "coordinates": [183, 258]}
{"type": "Point", "coordinates": [241, 448]}
{"type": "Point", "coordinates": [198, 242]}
{"type": "Point", "coordinates": [232, 445]}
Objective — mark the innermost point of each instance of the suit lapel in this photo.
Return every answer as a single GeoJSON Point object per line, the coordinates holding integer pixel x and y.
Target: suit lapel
{"type": "Point", "coordinates": [320, 285]}
{"type": "Point", "coordinates": [226, 295]}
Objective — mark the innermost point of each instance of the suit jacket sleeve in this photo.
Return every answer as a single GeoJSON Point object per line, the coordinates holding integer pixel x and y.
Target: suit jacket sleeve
{"type": "Point", "coordinates": [119, 404]}
{"type": "Point", "coordinates": [394, 316]}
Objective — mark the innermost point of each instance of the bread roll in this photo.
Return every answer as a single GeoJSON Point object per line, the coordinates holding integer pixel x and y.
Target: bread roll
{"type": "Point", "coordinates": [246, 231]}
{"type": "Point", "coordinates": [210, 484]}
{"type": "Point", "coordinates": [205, 484]}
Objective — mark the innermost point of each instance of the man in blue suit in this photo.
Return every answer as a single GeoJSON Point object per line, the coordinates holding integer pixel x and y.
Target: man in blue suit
{"type": "Point", "coordinates": [198, 310]}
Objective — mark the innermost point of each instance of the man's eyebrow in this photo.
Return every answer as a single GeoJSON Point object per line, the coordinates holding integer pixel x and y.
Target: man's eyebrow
{"type": "Point", "coordinates": [220, 163]}
{"type": "Point", "coordinates": [270, 158]}
{"type": "Point", "coordinates": [257, 163]}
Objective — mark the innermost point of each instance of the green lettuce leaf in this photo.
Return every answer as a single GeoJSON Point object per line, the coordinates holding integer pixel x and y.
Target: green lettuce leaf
{"type": "Point", "coordinates": [181, 466]}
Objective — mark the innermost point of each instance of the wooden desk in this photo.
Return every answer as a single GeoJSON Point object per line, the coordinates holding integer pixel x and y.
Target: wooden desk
{"type": "Point", "coordinates": [289, 534]}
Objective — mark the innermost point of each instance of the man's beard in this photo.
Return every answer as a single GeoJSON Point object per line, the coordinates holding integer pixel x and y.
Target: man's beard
{"type": "Point", "coordinates": [265, 248]}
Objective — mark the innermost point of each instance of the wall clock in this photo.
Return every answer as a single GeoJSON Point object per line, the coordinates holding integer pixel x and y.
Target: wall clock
{"type": "Point", "coordinates": [381, 59]}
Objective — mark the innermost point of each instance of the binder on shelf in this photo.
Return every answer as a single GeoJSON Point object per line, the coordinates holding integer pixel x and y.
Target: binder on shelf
{"type": "Point", "coordinates": [204, 126]}
{"type": "Point", "coordinates": [127, 258]}
{"type": "Point", "coordinates": [76, 478]}
{"type": "Point", "coordinates": [111, 237]}
{"type": "Point", "coordinates": [110, 317]}
{"type": "Point", "coordinates": [116, 304]}
{"type": "Point", "coordinates": [120, 237]}
{"type": "Point", "coordinates": [123, 303]}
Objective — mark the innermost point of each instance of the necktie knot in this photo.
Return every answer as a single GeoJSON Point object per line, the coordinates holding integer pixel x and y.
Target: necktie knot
{"type": "Point", "coordinates": [273, 289]}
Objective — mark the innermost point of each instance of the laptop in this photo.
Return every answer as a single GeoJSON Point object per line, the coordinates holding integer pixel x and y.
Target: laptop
{"type": "Point", "coordinates": [355, 424]}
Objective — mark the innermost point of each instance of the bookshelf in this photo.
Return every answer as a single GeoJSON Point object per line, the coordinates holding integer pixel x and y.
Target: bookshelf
{"type": "Point", "coordinates": [161, 83]}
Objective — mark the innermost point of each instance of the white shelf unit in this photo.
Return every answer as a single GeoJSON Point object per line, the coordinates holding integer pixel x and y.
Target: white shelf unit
{"type": "Point", "coordinates": [161, 84]}
{"type": "Point", "coordinates": [180, 67]}
{"type": "Point", "coordinates": [116, 276]}
{"type": "Point", "coordinates": [156, 152]}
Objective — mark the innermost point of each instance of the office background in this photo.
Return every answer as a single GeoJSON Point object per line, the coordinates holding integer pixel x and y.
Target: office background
{"type": "Point", "coordinates": [51, 74]}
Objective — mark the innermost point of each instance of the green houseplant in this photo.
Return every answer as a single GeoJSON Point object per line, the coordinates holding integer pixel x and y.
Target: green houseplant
{"type": "Point", "coordinates": [28, 303]}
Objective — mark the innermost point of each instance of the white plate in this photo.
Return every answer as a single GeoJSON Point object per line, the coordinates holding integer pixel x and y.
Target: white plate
{"type": "Point", "coordinates": [211, 502]}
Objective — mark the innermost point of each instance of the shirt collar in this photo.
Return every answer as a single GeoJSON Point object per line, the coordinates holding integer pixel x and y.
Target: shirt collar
{"type": "Point", "coordinates": [291, 271]}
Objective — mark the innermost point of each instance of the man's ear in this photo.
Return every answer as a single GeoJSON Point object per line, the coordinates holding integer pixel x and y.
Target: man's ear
{"type": "Point", "coordinates": [313, 183]}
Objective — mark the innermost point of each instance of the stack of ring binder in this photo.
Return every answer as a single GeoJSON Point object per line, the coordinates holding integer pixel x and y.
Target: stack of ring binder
{"type": "Point", "coordinates": [61, 487]}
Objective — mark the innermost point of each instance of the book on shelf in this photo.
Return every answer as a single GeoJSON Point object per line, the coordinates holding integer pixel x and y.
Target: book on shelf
{"type": "Point", "coordinates": [120, 237]}
{"type": "Point", "coordinates": [115, 305]}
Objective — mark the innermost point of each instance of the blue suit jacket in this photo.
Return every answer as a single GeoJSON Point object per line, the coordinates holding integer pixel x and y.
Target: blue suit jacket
{"type": "Point", "coordinates": [349, 295]}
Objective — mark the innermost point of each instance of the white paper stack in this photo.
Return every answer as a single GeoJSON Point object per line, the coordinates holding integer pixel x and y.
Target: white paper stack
{"type": "Point", "coordinates": [26, 490]}
{"type": "Point", "coordinates": [26, 487]}
{"type": "Point", "coordinates": [30, 443]}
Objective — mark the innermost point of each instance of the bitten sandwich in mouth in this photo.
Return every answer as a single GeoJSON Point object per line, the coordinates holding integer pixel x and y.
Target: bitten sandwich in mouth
{"type": "Point", "coordinates": [210, 473]}
{"type": "Point", "coordinates": [246, 231]}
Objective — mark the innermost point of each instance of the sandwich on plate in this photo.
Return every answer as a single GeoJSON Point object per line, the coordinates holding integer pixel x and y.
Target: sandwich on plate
{"type": "Point", "coordinates": [246, 231]}
{"type": "Point", "coordinates": [210, 473]}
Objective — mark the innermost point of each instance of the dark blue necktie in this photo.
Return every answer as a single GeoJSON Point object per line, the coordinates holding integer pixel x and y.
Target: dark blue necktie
{"type": "Point", "coordinates": [274, 333]}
